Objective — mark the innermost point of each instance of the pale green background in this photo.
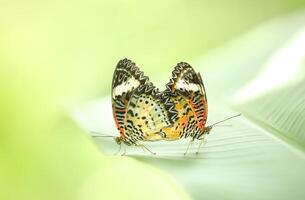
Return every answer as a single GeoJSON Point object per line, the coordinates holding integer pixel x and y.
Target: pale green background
{"type": "Point", "coordinates": [56, 54]}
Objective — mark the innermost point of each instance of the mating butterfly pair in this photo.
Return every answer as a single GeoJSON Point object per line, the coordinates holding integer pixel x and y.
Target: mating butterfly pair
{"type": "Point", "coordinates": [143, 113]}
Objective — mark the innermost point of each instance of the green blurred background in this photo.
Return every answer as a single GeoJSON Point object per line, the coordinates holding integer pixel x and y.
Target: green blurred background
{"type": "Point", "coordinates": [59, 54]}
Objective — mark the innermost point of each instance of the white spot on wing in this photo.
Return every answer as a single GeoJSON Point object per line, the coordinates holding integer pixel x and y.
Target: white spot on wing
{"type": "Point", "coordinates": [181, 84]}
{"type": "Point", "coordinates": [125, 86]}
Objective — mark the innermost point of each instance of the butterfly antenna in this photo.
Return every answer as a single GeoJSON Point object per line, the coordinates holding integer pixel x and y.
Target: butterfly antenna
{"type": "Point", "coordinates": [100, 134]}
{"type": "Point", "coordinates": [226, 125]}
{"type": "Point", "coordinates": [226, 119]}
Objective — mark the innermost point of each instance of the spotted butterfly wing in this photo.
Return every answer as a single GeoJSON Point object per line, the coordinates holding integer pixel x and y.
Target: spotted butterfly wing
{"type": "Point", "coordinates": [146, 114]}
{"type": "Point", "coordinates": [126, 78]}
{"type": "Point", "coordinates": [186, 90]}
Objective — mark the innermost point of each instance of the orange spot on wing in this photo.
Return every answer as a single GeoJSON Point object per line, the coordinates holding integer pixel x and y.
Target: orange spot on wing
{"type": "Point", "coordinates": [184, 121]}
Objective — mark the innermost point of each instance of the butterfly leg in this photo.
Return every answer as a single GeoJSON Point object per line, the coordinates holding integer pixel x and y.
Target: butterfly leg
{"type": "Point", "coordinates": [144, 147]}
{"type": "Point", "coordinates": [124, 153]}
{"type": "Point", "coordinates": [190, 143]}
{"type": "Point", "coordinates": [201, 142]}
{"type": "Point", "coordinates": [118, 151]}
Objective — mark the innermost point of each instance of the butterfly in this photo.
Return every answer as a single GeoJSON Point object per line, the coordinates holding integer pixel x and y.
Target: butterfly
{"type": "Point", "coordinates": [186, 90]}
{"type": "Point", "coordinates": [142, 113]}
{"type": "Point", "coordinates": [137, 106]}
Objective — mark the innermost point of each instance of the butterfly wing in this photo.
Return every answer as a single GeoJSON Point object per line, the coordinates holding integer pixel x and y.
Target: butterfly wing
{"type": "Point", "coordinates": [187, 83]}
{"type": "Point", "coordinates": [147, 114]}
{"type": "Point", "coordinates": [126, 78]}
{"type": "Point", "coordinates": [187, 91]}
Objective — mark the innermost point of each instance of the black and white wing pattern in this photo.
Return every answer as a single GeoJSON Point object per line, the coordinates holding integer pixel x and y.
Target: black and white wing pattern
{"type": "Point", "coordinates": [127, 78]}
{"type": "Point", "coordinates": [186, 83]}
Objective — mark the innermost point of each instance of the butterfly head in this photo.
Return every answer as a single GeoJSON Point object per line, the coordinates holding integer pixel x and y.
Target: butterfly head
{"type": "Point", "coordinates": [207, 129]}
{"type": "Point", "coordinates": [118, 140]}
